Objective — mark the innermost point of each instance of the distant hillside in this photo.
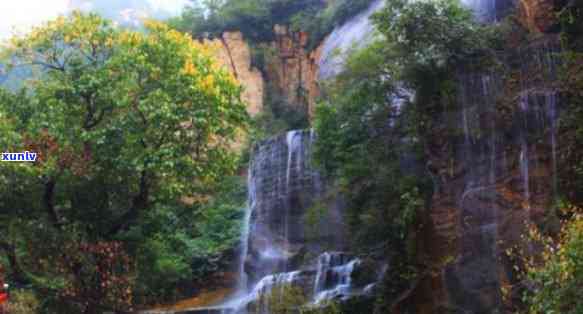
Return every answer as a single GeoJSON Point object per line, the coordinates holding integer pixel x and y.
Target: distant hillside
{"type": "Point", "coordinates": [130, 12]}
{"type": "Point", "coordinates": [127, 13]}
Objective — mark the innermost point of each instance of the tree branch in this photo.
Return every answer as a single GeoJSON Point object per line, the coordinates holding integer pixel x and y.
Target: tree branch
{"type": "Point", "coordinates": [49, 201]}
{"type": "Point", "coordinates": [139, 203]}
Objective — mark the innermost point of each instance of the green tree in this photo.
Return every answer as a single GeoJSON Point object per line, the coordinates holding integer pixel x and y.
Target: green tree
{"type": "Point", "coordinates": [256, 18]}
{"type": "Point", "coordinates": [430, 36]}
{"type": "Point", "coordinates": [123, 122]}
{"type": "Point", "coordinates": [380, 110]}
{"type": "Point", "coordinates": [366, 120]}
{"type": "Point", "coordinates": [555, 276]}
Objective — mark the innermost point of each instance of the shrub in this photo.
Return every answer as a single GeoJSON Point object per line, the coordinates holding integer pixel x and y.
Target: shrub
{"type": "Point", "coordinates": [23, 302]}
{"type": "Point", "coordinates": [557, 274]}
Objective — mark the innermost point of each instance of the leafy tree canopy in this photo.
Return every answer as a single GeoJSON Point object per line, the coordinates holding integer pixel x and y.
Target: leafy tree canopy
{"type": "Point", "coordinates": [256, 18]}
{"type": "Point", "coordinates": [430, 36]}
{"type": "Point", "coordinates": [123, 122]}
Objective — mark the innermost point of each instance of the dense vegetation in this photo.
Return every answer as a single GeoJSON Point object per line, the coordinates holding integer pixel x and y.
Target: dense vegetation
{"type": "Point", "coordinates": [372, 118]}
{"type": "Point", "coordinates": [556, 275]}
{"type": "Point", "coordinates": [135, 198]}
{"type": "Point", "coordinates": [256, 18]}
{"type": "Point", "coordinates": [133, 133]}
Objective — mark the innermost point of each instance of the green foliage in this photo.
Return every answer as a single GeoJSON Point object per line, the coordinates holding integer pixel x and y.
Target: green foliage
{"type": "Point", "coordinates": [133, 132]}
{"type": "Point", "coordinates": [67, 270]}
{"type": "Point", "coordinates": [256, 18]}
{"type": "Point", "coordinates": [314, 215]}
{"type": "Point", "coordinates": [283, 300]}
{"type": "Point", "coordinates": [180, 245]}
{"type": "Point", "coordinates": [571, 165]}
{"type": "Point", "coordinates": [443, 26]}
{"type": "Point", "coordinates": [427, 41]}
{"type": "Point", "coordinates": [369, 118]}
{"type": "Point", "coordinates": [278, 116]}
{"type": "Point", "coordinates": [570, 18]}
{"type": "Point", "coordinates": [359, 128]}
{"type": "Point", "coordinates": [557, 277]}
{"type": "Point", "coordinates": [289, 299]}
{"type": "Point", "coordinates": [23, 302]}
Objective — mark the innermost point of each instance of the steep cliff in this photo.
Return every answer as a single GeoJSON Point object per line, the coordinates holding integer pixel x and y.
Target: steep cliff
{"type": "Point", "coordinates": [234, 53]}
{"type": "Point", "coordinates": [292, 69]}
{"type": "Point", "coordinates": [538, 16]}
{"type": "Point", "coordinates": [493, 160]}
{"type": "Point", "coordinates": [494, 163]}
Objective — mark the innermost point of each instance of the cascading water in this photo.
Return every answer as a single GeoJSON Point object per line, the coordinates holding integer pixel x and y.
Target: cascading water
{"type": "Point", "coordinates": [276, 240]}
{"type": "Point", "coordinates": [539, 118]}
{"type": "Point", "coordinates": [334, 276]}
{"type": "Point", "coordinates": [476, 142]}
{"type": "Point", "coordinates": [499, 171]}
{"type": "Point", "coordinates": [524, 155]}
{"type": "Point", "coordinates": [551, 109]}
{"type": "Point", "coordinates": [285, 187]}
{"type": "Point", "coordinates": [538, 104]}
{"type": "Point", "coordinates": [243, 279]}
{"type": "Point", "coordinates": [355, 33]}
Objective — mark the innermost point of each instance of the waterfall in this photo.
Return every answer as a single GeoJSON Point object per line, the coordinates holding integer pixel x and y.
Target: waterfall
{"type": "Point", "coordinates": [539, 119]}
{"type": "Point", "coordinates": [500, 177]}
{"type": "Point", "coordinates": [283, 186]}
{"type": "Point", "coordinates": [243, 278]}
{"type": "Point", "coordinates": [476, 142]}
{"type": "Point", "coordinates": [334, 276]}
{"type": "Point", "coordinates": [551, 107]}
{"type": "Point", "coordinates": [524, 155]}
{"type": "Point", "coordinates": [538, 104]}
{"type": "Point", "coordinates": [355, 33]}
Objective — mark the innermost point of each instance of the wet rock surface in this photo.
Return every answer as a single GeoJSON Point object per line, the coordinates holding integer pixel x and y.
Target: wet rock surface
{"type": "Point", "coordinates": [284, 189]}
{"type": "Point", "coordinates": [234, 54]}
{"type": "Point", "coordinates": [495, 161]}
{"type": "Point", "coordinates": [294, 235]}
{"type": "Point", "coordinates": [539, 16]}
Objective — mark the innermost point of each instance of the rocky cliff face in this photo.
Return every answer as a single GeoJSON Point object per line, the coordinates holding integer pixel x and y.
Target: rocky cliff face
{"type": "Point", "coordinates": [494, 166]}
{"type": "Point", "coordinates": [493, 161]}
{"type": "Point", "coordinates": [294, 233]}
{"type": "Point", "coordinates": [283, 187]}
{"type": "Point", "coordinates": [234, 53]}
{"type": "Point", "coordinates": [538, 16]}
{"type": "Point", "coordinates": [293, 70]}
